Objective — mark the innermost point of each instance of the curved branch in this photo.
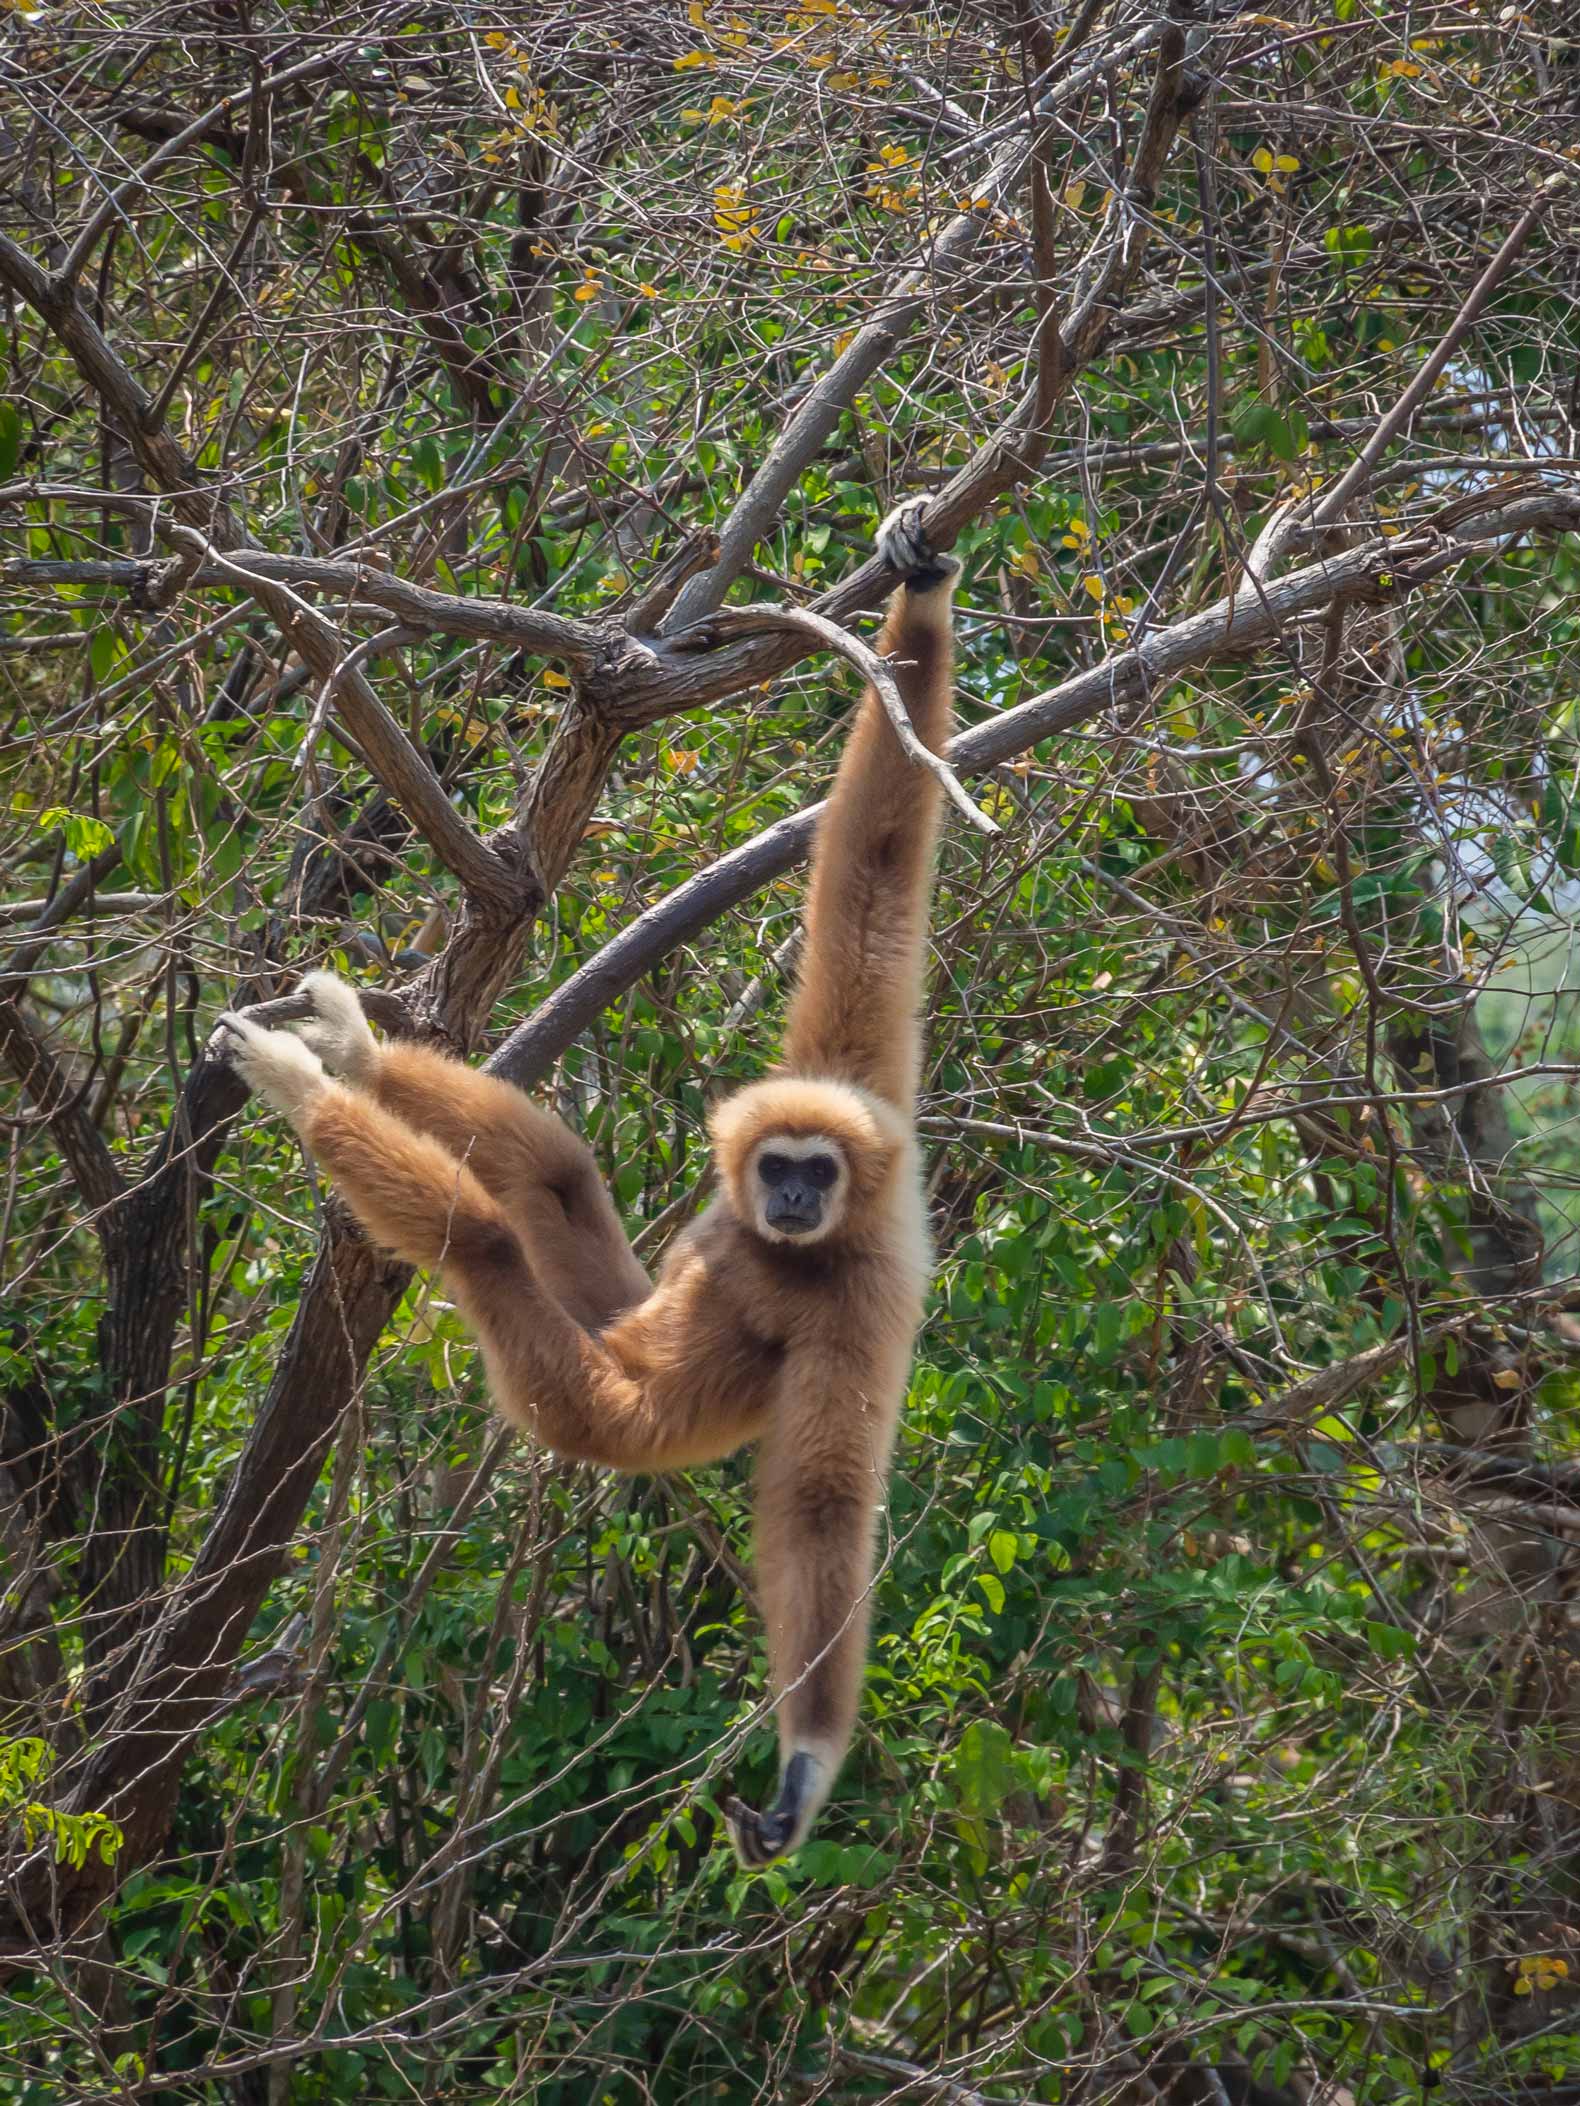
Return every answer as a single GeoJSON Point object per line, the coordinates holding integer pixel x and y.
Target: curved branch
{"type": "Point", "coordinates": [399, 766]}
{"type": "Point", "coordinates": [758, 506]}
{"type": "Point", "coordinates": [113, 207]}
{"type": "Point", "coordinates": [769, 621]}
{"type": "Point", "coordinates": [61, 1104]}
{"type": "Point", "coordinates": [1246, 620]}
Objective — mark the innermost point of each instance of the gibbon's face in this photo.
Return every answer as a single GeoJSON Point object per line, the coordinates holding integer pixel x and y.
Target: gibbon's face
{"type": "Point", "coordinates": [803, 1160]}
{"type": "Point", "coordinates": [799, 1185]}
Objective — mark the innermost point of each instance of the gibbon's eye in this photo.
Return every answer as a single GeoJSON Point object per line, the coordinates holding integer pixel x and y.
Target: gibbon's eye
{"type": "Point", "coordinates": [821, 1170]}
{"type": "Point", "coordinates": [772, 1169]}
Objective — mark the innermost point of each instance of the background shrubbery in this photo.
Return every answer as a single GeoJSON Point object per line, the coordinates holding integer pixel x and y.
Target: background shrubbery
{"type": "Point", "coordinates": [1221, 1736]}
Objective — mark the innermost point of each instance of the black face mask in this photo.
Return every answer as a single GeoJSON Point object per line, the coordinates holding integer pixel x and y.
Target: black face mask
{"type": "Point", "coordinates": [797, 1189]}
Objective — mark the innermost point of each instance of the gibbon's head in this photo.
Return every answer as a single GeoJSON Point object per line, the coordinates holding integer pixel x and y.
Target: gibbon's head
{"type": "Point", "coordinates": [805, 1161]}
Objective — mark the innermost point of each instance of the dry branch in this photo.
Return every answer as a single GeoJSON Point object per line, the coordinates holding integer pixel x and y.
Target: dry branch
{"type": "Point", "coordinates": [732, 622]}
{"type": "Point", "coordinates": [1381, 571]}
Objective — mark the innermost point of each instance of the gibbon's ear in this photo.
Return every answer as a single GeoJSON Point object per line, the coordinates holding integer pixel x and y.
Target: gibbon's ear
{"type": "Point", "coordinates": [338, 1031]}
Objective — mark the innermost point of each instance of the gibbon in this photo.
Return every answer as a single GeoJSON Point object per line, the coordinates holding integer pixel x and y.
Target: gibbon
{"type": "Point", "coordinates": [787, 1313]}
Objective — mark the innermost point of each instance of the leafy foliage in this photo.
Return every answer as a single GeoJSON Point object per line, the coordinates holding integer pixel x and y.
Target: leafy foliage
{"type": "Point", "coordinates": [1219, 1731]}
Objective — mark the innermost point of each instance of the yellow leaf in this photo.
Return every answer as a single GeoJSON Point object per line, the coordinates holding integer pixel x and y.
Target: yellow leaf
{"type": "Point", "coordinates": [1073, 194]}
{"type": "Point", "coordinates": [1506, 1378]}
{"type": "Point", "coordinates": [1024, 563]}
{"type": "Point", "coordinates": [680, 762]}
{"type": "Point", "coordinates": [694, 58]}
{"type": "Point", "coordinates": [1263, 159]}
{"type": "Point", "coordinates": [1093, 586]}
{"type": "Point", "coordinates": [554, 679]}
{"type": "Point", "coordinates": [1287, 163]}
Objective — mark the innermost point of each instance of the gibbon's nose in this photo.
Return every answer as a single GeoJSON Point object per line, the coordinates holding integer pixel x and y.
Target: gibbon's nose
{"type": "Point", "coordinates": [795, 1207]}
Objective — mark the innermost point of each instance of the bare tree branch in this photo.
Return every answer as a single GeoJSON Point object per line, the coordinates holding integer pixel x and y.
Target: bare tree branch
{"type": "Point", "coordinates": [1247, 621]}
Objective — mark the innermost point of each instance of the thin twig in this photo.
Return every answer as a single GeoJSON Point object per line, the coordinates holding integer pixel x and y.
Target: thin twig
{"type": "Point", "coordinates": [734, 622]}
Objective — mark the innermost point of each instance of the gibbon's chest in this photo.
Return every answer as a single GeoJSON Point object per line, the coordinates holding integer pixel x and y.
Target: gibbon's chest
{"type": "Point", "coordinates": [832, 1303]}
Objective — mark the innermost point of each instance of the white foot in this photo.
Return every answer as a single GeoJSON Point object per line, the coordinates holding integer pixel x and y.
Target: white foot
{"type": "Point", "coordinates": [338, 1033]}
{"type": "Point", "coordinates": [275, 1065]}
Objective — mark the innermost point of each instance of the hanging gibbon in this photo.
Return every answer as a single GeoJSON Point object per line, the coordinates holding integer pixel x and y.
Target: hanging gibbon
{"type": "Point", "coordinates": [786, 1315]}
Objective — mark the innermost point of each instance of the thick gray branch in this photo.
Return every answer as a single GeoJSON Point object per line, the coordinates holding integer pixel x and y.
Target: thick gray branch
{"type": "Point", "coordinates": [1238, 626]}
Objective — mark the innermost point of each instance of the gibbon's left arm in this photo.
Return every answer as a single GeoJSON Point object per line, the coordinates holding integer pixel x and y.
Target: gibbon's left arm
{"type": "Point", "coordinates": [823, 1460]}
{"type": "Point", "coordinates": [854, 1016]}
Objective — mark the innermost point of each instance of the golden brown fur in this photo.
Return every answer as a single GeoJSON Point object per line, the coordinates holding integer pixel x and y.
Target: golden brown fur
{"type": "Point", "coordinates": [796, 1337]}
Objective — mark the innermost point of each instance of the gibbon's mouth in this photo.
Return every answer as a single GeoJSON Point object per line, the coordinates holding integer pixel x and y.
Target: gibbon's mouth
{"type": "Point", "coordinates": [791, 1221]}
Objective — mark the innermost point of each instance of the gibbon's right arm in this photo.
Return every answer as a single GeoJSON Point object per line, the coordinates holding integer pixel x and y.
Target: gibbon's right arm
{"type": "Point", "coordinates": [544, 1176]}
{"type": "Point", "coordinates": [660, 1384]}
{"type": "Point", "coordinates": [855, 1012]}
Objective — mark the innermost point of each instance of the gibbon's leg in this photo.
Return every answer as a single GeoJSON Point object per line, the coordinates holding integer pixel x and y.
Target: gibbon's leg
{"type": "Point", "coordinates": [854, 1013]}
{"type": "Point", "coordinates": [545, 1372]}
{"type": "Point", "coordinates": [544, 1176]}
{"type": "Point", "coordinates": [821, 1467]}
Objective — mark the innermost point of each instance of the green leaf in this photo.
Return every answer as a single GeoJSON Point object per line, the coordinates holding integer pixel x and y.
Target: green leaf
{"type": "Point", "coordinates": [10, 438]}
{"type": "Point", "coordinates": [1003, 1549]}
{"type": "Point", "coordinates": [825, 1864]}
{"type": "Point", "coordinates": [984, 1767]}
{"type": "Point", "coordinates": [426, 460]}
{"type": "Point", "coordinates": [105, 652]}
{"type": "Point", "coordinates": [1389, 1642]}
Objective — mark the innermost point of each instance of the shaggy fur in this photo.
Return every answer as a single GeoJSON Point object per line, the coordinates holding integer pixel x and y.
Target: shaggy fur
{"type": "Point", "coordinates": [799, 1342]}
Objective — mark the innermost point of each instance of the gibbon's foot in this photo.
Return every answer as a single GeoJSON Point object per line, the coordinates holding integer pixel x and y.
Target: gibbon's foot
{"type": "Point", "coordinates": [904, 546]}
{"type": "Point", "coordinates": [338, 1031]}
{"type": "Point", "coordinates": [275, 1065]}
{"type": "Point", "coordinates": [758, 1838]}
